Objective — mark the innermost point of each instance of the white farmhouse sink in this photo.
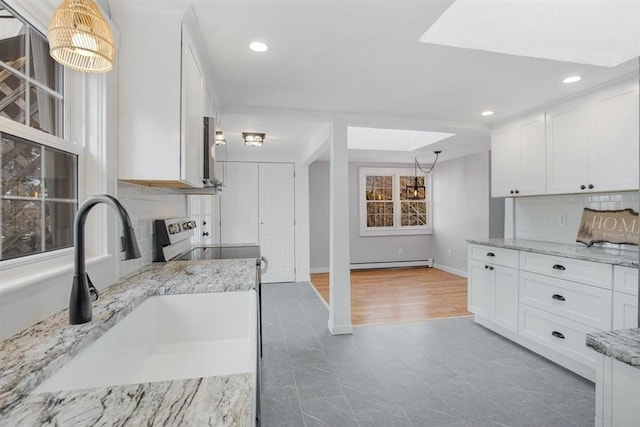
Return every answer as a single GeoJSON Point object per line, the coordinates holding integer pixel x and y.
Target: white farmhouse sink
{"type": "Point", "coordinates": [168, 338]}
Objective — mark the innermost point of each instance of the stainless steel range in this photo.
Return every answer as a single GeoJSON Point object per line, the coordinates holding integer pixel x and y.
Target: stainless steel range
{"type": "Point", "coordinates": [173, 243]}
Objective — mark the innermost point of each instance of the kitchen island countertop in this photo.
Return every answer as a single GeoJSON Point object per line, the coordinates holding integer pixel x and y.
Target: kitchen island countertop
{"type": "Point", "coordinates": [622, 344]}
{"type": "Point", "coordinates": [33, 355]}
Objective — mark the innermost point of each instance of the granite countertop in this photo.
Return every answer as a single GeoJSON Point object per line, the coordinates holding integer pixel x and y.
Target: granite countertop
{"type": "Point", "coordinates": [623, 345]}
{"type": "Point", "coordinates": [620, 257]}
{"type": "Point", "coordinates": [33, 355]}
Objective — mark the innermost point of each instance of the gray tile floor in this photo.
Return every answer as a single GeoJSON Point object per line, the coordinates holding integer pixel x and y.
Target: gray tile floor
{"type": "Point", "coordinates": [448, 372]}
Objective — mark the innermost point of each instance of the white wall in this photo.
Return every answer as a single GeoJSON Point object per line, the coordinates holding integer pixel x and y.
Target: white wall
{"type": "Point", "coordinates": [461, 209]}
{"type": "Point", "coordinates": [540, 218]}
{"type": "Point", "coordinates": [319, 216]}
{"type": "Point", "coordinates": [364, 249]}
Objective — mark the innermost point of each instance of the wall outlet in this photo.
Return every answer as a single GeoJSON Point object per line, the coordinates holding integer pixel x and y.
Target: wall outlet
{"type": "Point", "coordinates": [400, 251]}
{"type": "Point", "coordinates": [562, 220]}
{"type": "Point", "coordinates": [449, 252]}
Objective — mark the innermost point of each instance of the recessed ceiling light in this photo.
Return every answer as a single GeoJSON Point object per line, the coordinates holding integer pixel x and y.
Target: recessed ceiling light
{"type": "Point", "coordinates": [258, 47]}
{"type": "Point", "coordinates": [572, 79]}
{"type": "Point", "coordinates": [487, 113]}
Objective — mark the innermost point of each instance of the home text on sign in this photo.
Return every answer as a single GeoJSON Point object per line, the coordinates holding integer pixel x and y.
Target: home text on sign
{"type": "Point", "coordinates": [620, 227]}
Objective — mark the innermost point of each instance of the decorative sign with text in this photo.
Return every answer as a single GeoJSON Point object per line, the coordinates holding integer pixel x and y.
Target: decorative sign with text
{"type": "Point", "coordinates": [620, 227]}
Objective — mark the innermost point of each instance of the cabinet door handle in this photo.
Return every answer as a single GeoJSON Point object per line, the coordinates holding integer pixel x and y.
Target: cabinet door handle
{"type": "Point", "coordinates": [205, 234]}
{"type": "Point", "coordinates": [490, 268]}
{"type": "Point", "coordinates": [582, 187]}
{"type": "Point", "coordinates": [511, 192]}
{"type": "Point", "coordinates": [559, 267]}
{"type": "Point", "coordinates": [517, 191]}
{"type": "Point", "coordinates": [558, 297]}
{"type": "Point", "coordinates": [486, 267]}
{"type": "Point", "coordinates": [557, 335]}
{"type": "Point", "coordinates": [490, 254]}
{"type": "Point", "coordinates": [590, 186]}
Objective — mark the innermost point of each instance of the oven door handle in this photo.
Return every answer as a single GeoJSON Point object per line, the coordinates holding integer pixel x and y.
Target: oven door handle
{"type": "Point", "coordinates": [264, 260]}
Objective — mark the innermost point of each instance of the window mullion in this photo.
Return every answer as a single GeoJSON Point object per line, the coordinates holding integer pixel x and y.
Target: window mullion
{"type": "Point", "coordinates": [43, 190]}
{"type": "Point", "coordinates": [27, 67]}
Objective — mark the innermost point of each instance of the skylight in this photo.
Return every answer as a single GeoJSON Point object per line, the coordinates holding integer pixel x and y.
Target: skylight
{"type": "Point", "coordinates": [392, 139]}
{"type": "Point", "coordinates": [594, 32]}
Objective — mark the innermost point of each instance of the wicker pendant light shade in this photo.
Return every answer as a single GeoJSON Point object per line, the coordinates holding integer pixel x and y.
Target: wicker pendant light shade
{"type": "Point", "coordinates": [80, 38]}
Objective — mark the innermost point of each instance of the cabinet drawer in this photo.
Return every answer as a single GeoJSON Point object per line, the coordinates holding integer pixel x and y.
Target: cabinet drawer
{"type": "Point", "coordinates": [625, 280]}
{"type": "Point", "coordinates": [561, 335]}
{"type": "Point", "coordinates": [493, 255]}
{"type": "Point", "coordinates": [577, 302]}
{"type": "Point", "coordinates": [576, 270]}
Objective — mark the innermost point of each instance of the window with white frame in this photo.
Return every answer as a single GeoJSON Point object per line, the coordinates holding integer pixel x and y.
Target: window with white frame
{"type": "Point", "coordinates": [394, 201]}
{"type": "Point", "coordinates": [39, 170]}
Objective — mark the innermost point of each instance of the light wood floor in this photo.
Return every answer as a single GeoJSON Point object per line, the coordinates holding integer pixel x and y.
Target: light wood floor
{"type": "Point", "coordinates": [401, 295]}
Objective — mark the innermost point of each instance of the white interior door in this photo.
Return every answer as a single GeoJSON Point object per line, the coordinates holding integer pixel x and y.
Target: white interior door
{"type": "Point", "coordinates": [239, 204]}
{"type": "Point", "coordinates": [277, 209]}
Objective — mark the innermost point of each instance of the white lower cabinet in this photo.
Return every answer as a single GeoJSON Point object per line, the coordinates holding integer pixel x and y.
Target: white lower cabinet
{"type": "Point", "coordinates": [493, 289]}
{"type": "Point", "coordinates": [617, 391]}
{"type": "Point", "coordinates": [549, 303]}
{"type": "Point", "coordinates": [625, 311]}
{"type": "Point", "coordinates": [625, 297]}
{"type": "Point", "coordinates": [560, 335]}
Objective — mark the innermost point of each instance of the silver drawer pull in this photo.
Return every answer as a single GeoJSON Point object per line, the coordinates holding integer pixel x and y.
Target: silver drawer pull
{"type": "Point", "coordinates": [557, 335]}
{"type": "Point", "coordinates": [558, 297]}
{"type": "Point", "coordinates": [559, 267]}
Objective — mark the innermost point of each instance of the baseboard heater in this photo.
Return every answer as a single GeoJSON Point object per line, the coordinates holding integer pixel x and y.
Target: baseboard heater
{"type": "Point", "coordinates": [392, 264]}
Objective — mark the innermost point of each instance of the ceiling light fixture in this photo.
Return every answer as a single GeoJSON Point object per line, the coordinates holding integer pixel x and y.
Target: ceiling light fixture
{"type": "Point", "coordinates": [253, 139]}
{"type": "Point", "coordinates": [487, 113]}
{"type": "Point", "coordinates": [80, 38]}
{"type": "Point", "coordinates": [413, 191]}
{"type": "Point", "coordinates": [572, 79]}
{"type": "Point", "coordinates": [258, 47]}
{"type": "Point", "coordinates": [220, 138]}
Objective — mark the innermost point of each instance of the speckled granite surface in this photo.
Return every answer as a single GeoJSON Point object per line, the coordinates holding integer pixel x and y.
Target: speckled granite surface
{"type": "Point", "coordinates": [603, 255]}
{"type": "Point", "coordinates": [30, 357]}
{"type": "Point", "coordinates": [623, 345]}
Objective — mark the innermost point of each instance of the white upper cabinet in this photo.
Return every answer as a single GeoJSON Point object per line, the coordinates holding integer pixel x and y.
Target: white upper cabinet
{"type": "Point", "coordinates": [593, 143]}
{"type": "Point", "coordinates": [192, 114]}
{"type": "Point", "coordinates": [162, 96]}
{"type": "Point", "coordinates": [504, 156]}
{"type": "Point", "coordinates": [613, 152]}
{"type": "Point", "coordinates": [518, 158]}
{"type": "Point", "coordinates": [587, 145]}
{"type": "Point", "coordinates": [568, 150]}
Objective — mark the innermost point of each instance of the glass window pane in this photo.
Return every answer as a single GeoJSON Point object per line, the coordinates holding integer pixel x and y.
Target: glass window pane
{"type": "Point", "coordinates": [21, 167]}
{"type": "Point", "coordinates": [12, 40]}
{"type": "Point", "coordinates": [13, 103]}
{"type": "Point", "coordinates": [46, 111]}
{"type": "Point", "coordinates": [43, 68]}
{"type": "Point", "coordinates": [60, 174]}
{"type": "Point", "coordinates": [20, 228]}
{"type": "Point", "coordinates": [58, 225]}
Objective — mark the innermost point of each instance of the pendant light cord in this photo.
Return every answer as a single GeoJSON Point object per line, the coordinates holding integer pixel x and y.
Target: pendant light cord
{"type": "Point", "coordinates": [433, 165]}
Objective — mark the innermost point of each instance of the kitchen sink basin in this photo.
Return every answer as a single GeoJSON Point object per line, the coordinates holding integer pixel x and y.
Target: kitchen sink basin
{"type": "Point", "coordinates": [169, 337]}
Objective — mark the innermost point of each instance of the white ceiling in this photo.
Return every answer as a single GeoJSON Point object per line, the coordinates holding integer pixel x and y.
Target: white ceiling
{"type": "Point", "coordinates": [363, 60]}
{"type": "Point", "coordinates": [362, 138]}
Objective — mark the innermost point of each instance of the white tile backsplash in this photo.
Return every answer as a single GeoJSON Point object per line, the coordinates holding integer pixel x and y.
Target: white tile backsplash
{"type": "Point", "coordinates": [541, 218]}
{"type": "Point", "coordinates": [144, 205]}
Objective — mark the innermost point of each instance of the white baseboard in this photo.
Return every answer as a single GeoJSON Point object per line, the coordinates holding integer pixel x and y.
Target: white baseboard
{"type": "Point", "coordinates": [450, 270]}
{"type": "Point", "coordinates": [392, 264]}
{"type": "Point", "coordinates": [382, 264]}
